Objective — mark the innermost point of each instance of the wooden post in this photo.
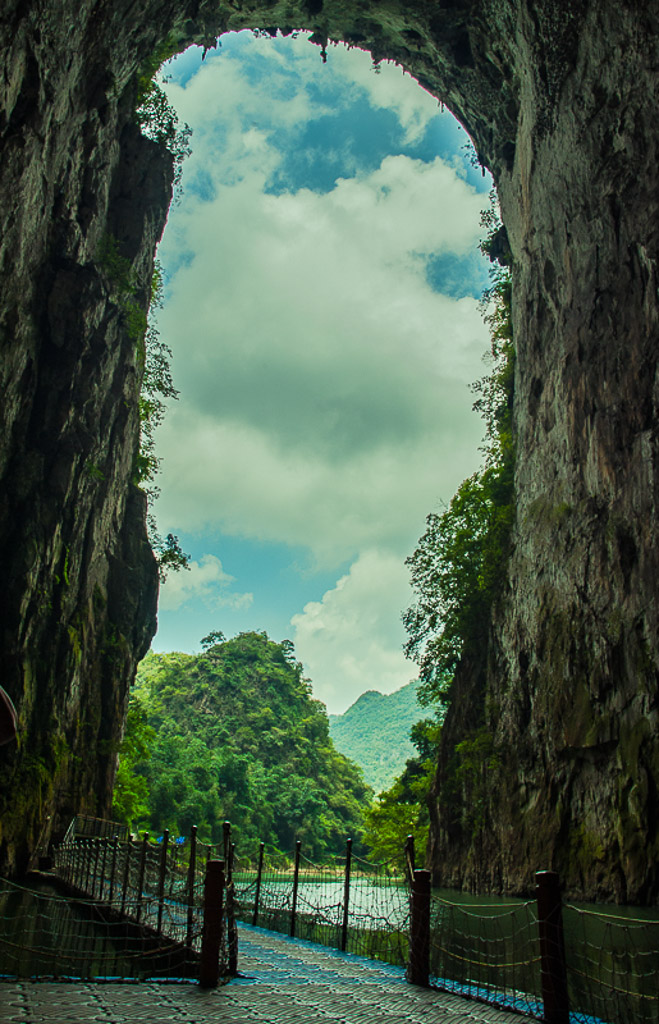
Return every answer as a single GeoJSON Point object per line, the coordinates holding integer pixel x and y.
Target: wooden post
{"type": "Point", "coordinates": [113, 868]}
{"type": "Point", "coordinates": [553, 971]}
{"type": "Point", "coordinates": [418, 967]}
{"type": "Point", "coordinates": [209, 968]}
{"type": "Point", "coordinates": [126, 878]}
{"type": "Point", "coordinates": [192, 868]}
{"type": "Point", "coordinates": [257, 894]}
{"type": "Point", "coordinates": [226, 835]}
{"type": "Point", "coordinates": [140, 877]}
{"type": "Point", "coordinates": [161, 878]}
{"type": "Point", "coordinates": [296, 878]}
{"type": "Point", "coordinates": [346, 896]}
{"type": "Point", "coordinates": [409, 859]}
{"type": "Point", "coordinates": [88, 858]}
{"type": "Point", "coordinates": [232, 931]}
{"type": "Point", "coordinates": [101, 892]}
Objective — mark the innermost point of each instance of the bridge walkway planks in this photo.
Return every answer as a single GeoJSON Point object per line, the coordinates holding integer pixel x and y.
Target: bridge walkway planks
{"type": "Point", "coordinates": [281, 981]}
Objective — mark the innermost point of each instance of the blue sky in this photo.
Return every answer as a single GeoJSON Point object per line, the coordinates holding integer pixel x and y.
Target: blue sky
{"type": "Point", "coordinates": [322, 284]}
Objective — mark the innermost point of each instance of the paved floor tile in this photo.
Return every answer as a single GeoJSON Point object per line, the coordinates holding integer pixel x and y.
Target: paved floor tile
{"type": "Point", "coordinates": [281, 982]}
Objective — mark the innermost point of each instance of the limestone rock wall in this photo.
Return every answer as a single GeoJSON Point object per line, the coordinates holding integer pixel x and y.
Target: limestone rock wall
{"type": "Point", "coordinates": [561, 103]}
{"type": "Point", "coordinates": [570, 689]}
{"type": "Point", "coordinates": [79, 581]}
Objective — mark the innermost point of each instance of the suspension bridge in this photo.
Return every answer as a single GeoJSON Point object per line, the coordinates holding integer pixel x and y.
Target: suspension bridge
{"type": "Point", "coordinates": [273, 941]}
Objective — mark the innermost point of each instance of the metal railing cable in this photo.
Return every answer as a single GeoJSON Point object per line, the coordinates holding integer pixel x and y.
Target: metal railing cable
{"type": "Point", "coordinates": [612, 966]}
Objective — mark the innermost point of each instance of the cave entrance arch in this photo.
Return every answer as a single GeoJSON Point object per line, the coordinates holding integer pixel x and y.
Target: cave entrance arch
{"type": "Point", "coordinates": [561, 102]}
{"type": "Point", "coordinates": [549, 95]}
{"type": "Point", "coordinates": [324, 321]}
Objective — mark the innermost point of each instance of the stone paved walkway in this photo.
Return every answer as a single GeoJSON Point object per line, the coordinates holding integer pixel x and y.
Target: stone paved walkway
{"type": "Point", "coordinates": [281, 982]}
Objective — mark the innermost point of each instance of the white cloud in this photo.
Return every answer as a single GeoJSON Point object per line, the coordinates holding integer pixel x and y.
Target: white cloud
{"type": "Point", "coordinates": [242, 482]}
{"type": "Point", "coordinates": [351, 641]}
{"type": "Point", "coordinates": [237, 119]}
{"type": "Point", "coordinates": [323, 378]}
{"type": "Point", "coordinates": [205, 581]}
{"type": "Point", "coordinates": [392, 89]}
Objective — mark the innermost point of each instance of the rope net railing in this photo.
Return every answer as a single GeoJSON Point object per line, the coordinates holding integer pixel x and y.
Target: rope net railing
{"type": "Point", "coordinates": [138, 909]}
{"type": "Point", "coordinates": [346, 903]}
{"type": "Point", "coordinates": [379, 912]}
{"type": "Point", "coordinates": [612, 966]}
{"type": "Point", "coordinates": [44, 936]}
{"type": "Point", "coordinates": [95, 828]}
{"type": "Point", "coordinates": [137, 904]}
{"type": "Point", "coordinates": [489, 952]}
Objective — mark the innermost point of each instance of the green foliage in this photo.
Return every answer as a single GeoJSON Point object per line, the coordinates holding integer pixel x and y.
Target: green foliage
{"type": "Point", "coordinates": [131, 793]}
{"type": "Point", "coordinates": [118, 269]}
{"type": "Point", "coordinates": [157, 388]}
{"type": "Point", "coordinates": [374, 732]}
{"type": "Point", "coordinates": [94, 471]}
{"type": "Point", "coordinates": [125, 288]}
{"type": "Point", "coordinates": [65, 567]}
{"type": "Point", "coordinates": [457, 572]}
{"type": "Point", "coordinates": [239, 737]}
{"type": "Point", "coordinates": [216, 636]}
{"type": "Point", "coordinates": [458, 566]}
{"type": "Point", "coordinates": [403, 809]}
{"type": "Point", "coordinates": [149, 69]}
{"type": "Point", "coordinates": [154, 113]}
{"type": "Point", "coordinates": [169, 554]}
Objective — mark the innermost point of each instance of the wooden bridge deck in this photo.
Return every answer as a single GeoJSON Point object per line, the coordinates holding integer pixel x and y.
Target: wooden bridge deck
{"type": "Point", "coordinates": [281, 981]}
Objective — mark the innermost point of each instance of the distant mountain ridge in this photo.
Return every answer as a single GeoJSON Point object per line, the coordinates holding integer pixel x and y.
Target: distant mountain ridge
{"type": "Point", "coordinates": [375, 732]}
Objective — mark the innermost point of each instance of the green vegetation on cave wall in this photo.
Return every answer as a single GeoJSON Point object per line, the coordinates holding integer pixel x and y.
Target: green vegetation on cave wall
{"type": "Point", "coordinates": [234, 734]}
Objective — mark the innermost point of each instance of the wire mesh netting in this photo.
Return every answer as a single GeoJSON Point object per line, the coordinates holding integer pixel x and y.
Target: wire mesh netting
{"type": "Point", "coordinates": [612, 966]}
{"type": "Point", "coordinates": [487, 951]}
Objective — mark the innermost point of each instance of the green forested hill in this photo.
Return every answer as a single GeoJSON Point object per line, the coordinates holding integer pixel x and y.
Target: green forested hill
{"type": "Point", "coordinates": [235, 734]}
{"type": "Point", "coordinates": [375, 732]}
